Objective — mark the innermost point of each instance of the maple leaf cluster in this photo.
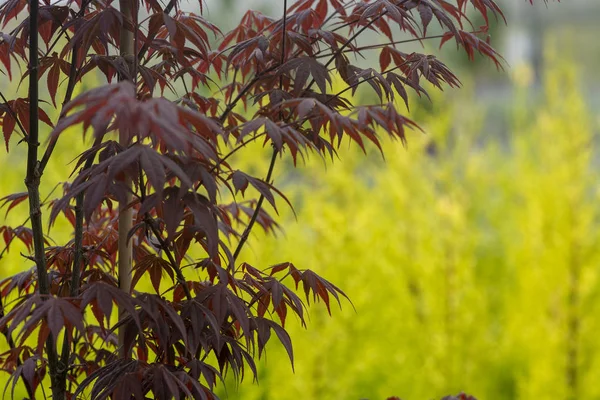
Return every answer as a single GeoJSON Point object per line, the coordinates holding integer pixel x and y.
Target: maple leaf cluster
{"type": "Point", "coordinates": [162, 147]}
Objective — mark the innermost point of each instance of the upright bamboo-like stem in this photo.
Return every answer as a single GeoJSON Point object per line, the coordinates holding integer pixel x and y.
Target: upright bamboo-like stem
{"type": "Point", "coordinates": [32, 181]}
{"type": "Point", "coordinates": [126, 46]}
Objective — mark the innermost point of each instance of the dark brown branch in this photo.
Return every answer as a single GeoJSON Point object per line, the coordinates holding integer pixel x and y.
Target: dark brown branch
{"type": "Point", "coordinates": [78, 255]}
{"type": "Point", "coordinates": [32, 181]}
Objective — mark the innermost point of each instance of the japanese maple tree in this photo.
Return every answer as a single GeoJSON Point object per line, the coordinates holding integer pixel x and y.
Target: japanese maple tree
{"type": "Point", "coordinates": [156, 192]}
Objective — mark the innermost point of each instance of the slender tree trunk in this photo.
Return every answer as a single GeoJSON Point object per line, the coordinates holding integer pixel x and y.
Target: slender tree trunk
{"type": "Point", "coordinates": [125, 214]}
{"type": "Point", "coordinates": [32, 181]}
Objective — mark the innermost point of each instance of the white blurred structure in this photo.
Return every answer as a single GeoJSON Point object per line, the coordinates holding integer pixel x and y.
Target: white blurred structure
{"type": "Point", "coordinates": [529, 25]}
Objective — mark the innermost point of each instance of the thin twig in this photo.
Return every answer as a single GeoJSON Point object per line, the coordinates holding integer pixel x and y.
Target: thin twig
{"type": "Point", "coordinates": [236, 149]}
{"type": "Point", "coordinates": [78, 256]}
{"type": "Point", "coordinates": [261, 199]}
{"type": "Point", "coordinates": [241, 94]}
{"type": "Point", "coordinates": [165, 248]}
{"type": "Point", "coordinates": [259, 204]}
{"type": "Point", "coordinates": [346, 44]}
{"type": "Point", "coordinates": [73, 74]}
{"type": "Point", "coordinates": [63, 30]}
